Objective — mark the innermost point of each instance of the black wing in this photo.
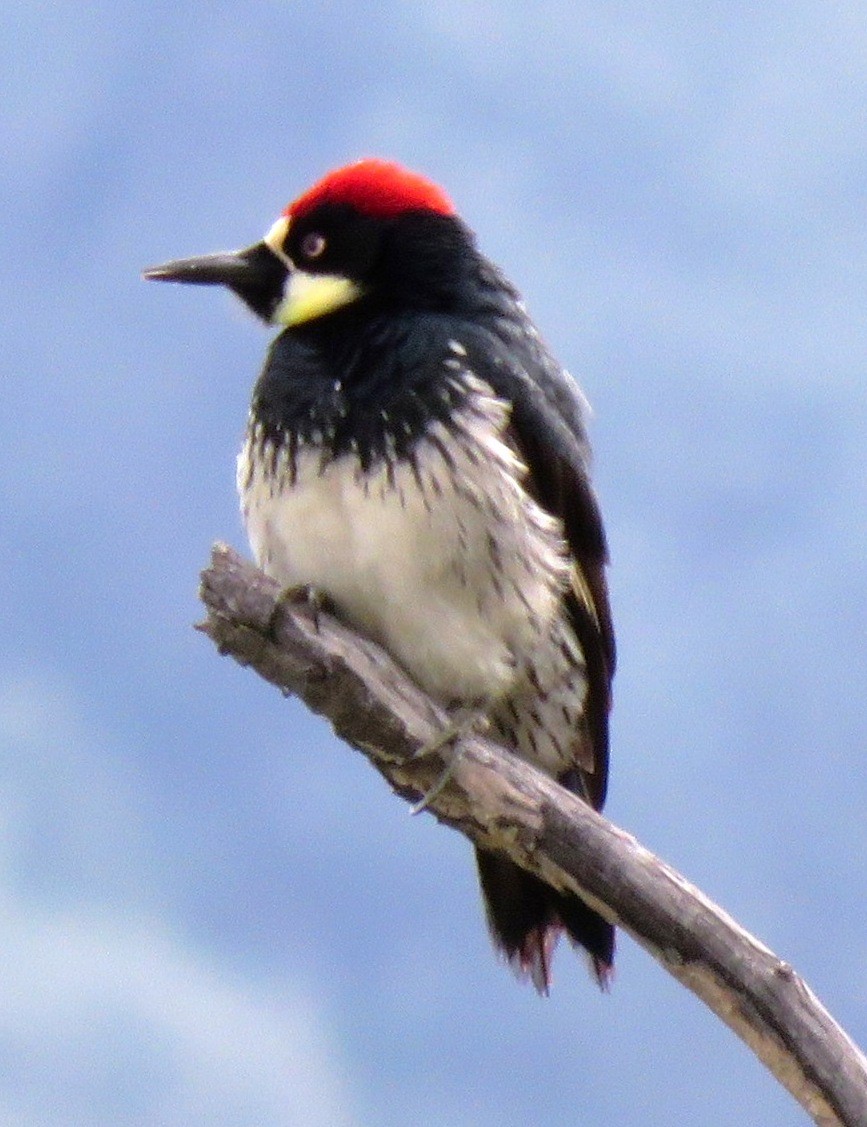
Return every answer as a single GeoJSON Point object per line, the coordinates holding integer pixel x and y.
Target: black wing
{"type": "Point", "coordinates": [548, 430]}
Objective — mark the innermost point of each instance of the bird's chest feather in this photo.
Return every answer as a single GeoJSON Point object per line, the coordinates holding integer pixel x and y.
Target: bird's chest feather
{"type": "Point", "coordinates": [440, 555]}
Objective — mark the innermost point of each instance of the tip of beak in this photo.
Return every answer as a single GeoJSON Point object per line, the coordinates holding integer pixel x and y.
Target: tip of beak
{"type": "Point", "coordinates": [158, 273]}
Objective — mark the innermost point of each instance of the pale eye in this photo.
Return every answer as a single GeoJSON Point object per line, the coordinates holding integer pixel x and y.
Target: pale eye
{"type": "Point", "coordinates": [313, 244]}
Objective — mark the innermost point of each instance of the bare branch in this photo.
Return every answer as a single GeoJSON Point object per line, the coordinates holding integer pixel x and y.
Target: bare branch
{"type": "Point", "coordinates": [500, 802]}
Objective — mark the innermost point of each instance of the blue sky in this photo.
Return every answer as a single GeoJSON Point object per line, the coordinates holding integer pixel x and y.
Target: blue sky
{"type": "Point", "coordinates": [210, 911]}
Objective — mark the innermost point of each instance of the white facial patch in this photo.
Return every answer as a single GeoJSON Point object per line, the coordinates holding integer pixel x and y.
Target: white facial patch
{"type": "Point", "coordinates": [275, 240]}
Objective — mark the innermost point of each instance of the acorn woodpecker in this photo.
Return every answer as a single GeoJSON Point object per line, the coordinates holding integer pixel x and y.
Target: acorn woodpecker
{"type": "Point", "coordinates": [415, 454]}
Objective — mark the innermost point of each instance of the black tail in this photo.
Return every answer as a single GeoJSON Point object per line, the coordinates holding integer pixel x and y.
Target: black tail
{"type": "Point", "coordinates": [526, 916]}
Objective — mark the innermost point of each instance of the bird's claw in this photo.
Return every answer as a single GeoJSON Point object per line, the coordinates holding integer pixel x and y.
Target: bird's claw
{"type": "Point", "coordinates": [303, 595]}
{"type": "Point", "coordinates": [463, 724]}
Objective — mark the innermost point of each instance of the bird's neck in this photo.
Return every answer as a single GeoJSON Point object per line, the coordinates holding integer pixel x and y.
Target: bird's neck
{"type": "Point", "coordinates": [370, 387]}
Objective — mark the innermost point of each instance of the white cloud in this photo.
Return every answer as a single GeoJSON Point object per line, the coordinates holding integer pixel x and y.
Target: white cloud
{"type": "Point", "coordinates": [86, 996]}
{"type": "Point", "coordinates": [112, 1011]}
{"type": "Point", "coordinates": [69, 818]}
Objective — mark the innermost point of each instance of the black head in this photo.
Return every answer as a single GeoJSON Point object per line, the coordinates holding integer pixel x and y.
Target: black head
{"type": "Point", "coordinates": [371, 232]}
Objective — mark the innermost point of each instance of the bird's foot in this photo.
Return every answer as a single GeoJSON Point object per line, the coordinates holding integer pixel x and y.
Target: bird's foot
{"type": "Point", "coordinates": [464, 722]}
{"type": "Point", "coordinates": [300, 595]}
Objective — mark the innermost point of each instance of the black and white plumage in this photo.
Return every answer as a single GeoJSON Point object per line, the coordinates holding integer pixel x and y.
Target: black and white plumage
{"type": "Point", "coordinates": [416, 454]}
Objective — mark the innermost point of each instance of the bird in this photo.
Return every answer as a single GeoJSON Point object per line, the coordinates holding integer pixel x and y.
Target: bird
{"type": "Point", "coordinates": [416, 455]}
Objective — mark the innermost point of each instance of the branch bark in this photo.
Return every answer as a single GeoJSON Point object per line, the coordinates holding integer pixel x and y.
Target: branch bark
{"type": "Point", "coordinates": [498, 801]}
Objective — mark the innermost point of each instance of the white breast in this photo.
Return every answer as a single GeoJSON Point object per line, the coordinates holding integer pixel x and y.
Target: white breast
{"type": "Point", "coordinates": [449, 564]}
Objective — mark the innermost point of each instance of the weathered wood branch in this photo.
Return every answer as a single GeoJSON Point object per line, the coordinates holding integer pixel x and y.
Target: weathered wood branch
{"type": "Point", "coordinates": [499, 801]}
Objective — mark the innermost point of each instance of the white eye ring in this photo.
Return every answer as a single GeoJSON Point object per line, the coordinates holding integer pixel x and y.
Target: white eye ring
{"type": "Point", "coordinates": [313, 244]}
